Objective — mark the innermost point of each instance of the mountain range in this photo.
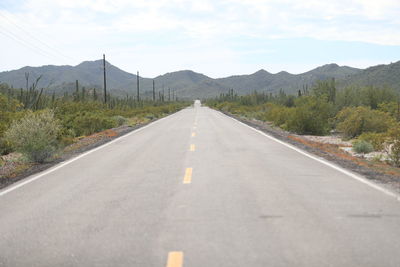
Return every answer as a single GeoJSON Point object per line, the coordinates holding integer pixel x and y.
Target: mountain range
{"type": "Point", "coordinates": [190, 85]}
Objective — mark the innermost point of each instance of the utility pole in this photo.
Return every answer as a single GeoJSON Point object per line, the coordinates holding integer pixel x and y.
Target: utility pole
{"type": "Point", "coordinates": [27, 80]}
{"type": "Point", "coordinates": [169, 94]}
{"type": "Point", "coordinates": [76, 90]}
{"type": "Point", "coordinates": [105, 84]}
{"type": "Point", "coordinates": [83, 93]}
{"type": "Point", "coordinates": [398, 107]}
{"type": "Point", "coordinates": [154, 92]}
{"type": "Point", "coordinates": [137, 84]}
{"type": "Point", "coordinates": [163, 94]}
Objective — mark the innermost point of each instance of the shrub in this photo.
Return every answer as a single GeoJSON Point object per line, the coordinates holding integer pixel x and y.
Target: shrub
{"type": "Point", "coordinates": [376, 139]}
{"type": "Point", "coordinates": [353, 121]}
{"type": "Point", "coordinates": [67, 136]}
{"type": "Point", "coordinates": [5, 147]}
{"type": "Point", "coordinates": [389, 107]}
{"type": "Point", "coordinates": [35, 135]}
{"type": "Point", "coordinates": [276, 113]}
{"type": "Point", "coordinates": [394, 141]}
{"type": "Point", "coordinates": [361, 146]}
{"type": "Point", "coordinates": [310, 116]}
{"type": "Point", "coordinates": [9, 111]}
{"type": "Point", "coordinates": [89, 123]}
{"type": "Point", "coordinates": [120, 120]}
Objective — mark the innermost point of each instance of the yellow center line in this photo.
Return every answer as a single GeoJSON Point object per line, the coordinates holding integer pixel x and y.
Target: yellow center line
{"type": "Point", "coordinates": [193, 134]}
{"type": "Point", "coordinates": [192, 147]}
{"type": "Point", "coordinates": [175, 259]}
{"type": "Point", "coordinates": [188, 176]}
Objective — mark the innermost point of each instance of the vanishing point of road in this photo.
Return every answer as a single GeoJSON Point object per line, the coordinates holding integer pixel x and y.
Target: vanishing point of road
{"type": "Point", "coordinates": [197, 188]}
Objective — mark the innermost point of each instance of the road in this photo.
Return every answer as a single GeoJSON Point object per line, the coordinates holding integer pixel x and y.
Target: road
{"type": "Point", "coordinates": [197, 189]}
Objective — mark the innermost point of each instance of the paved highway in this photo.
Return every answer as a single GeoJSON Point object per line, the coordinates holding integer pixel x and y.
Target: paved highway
{"type": "Point", "coordinates": [197, 189]}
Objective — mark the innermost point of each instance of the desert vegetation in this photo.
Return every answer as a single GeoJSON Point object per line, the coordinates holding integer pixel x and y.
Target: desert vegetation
{"type": "Point", "coordinates": [38, 124]}
{"type": "Point", "coordinates": [367, 115]}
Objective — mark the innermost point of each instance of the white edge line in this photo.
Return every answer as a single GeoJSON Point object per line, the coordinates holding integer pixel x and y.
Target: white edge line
{"type": "Point", "coordinates": [333, 166]}
{"type": "Point", "coordinates": [62, 164]}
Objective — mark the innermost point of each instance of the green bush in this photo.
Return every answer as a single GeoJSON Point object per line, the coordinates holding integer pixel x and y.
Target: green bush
{"type": "Point", "coordinates": [390, 107]}
{"type": "Point", "coordinates": [35, 135]}
{"type": "Point", "coordinates": [9, 111]}
{"type": "Point", "coordinates": [310, 116]}
{"type": "Point", "coordinates": [67, 136]}
{"type": "Point", "coordinates": [89, 123]}
{"type": "Point", "coordinates": [361, 146]}
{"type": "Point", "coordinates": [277, 114]}
{"type": "Point", "coordinates": [5, 147]}
{"type": "Point", "coordinates": [120, 120]}
{"type": "Point", "coordinates": [353, 121]}
{"type": "Point", "coordinates": [376, 139]}
{"type": "Point", "coordinates": [394, 141]}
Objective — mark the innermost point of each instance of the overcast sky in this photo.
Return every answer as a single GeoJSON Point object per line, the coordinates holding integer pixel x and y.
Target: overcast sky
{"type": "Point", "coordinates": [215, 37]}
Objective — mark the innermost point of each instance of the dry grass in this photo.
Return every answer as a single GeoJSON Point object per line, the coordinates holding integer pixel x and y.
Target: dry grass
{"type": "Point", "coordinates": [12, 165]}
{"type": "Point", "coordinates": [137, 120]}
{"type": "Point", "coordinates": [83, 141]}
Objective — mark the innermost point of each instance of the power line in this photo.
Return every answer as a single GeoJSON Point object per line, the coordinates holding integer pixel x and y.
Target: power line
{"type": "Point", "coordinates": [105, 85]}
{"type": "Point", "coordinates": [28, 39]}
{"type": "Point", "coordinates": [55, 51]}
{"type": "Point", "coordinates": [27, 45]}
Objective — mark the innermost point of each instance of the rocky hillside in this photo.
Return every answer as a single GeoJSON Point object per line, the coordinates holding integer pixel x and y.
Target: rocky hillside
{"type": "Point", "coordinates": [189, 84]}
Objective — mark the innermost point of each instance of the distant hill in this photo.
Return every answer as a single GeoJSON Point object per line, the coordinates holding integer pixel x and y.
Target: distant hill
{"type": "Point", "coordinates": [89, 73]}
{"type": "Point", "coordinates": [265, 81]}
{"type": "Point", "coordinates": [189, 84]}
{"type": "Point", "coordinates": [381, 75]}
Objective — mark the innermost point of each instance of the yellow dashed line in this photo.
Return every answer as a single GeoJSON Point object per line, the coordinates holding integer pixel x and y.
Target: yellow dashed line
{"type": "Point", "coordinates": [188, 176]}
{"type": "Point", "coordinates": [192, 147]}
{"type": "Point", "coordinates": [175, 259]}
{"type": "Point", "coordinates": [193, 134]}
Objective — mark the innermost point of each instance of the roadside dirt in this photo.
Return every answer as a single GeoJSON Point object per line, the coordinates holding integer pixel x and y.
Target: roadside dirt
{"type": "Point", "coordinates": [381, 173]}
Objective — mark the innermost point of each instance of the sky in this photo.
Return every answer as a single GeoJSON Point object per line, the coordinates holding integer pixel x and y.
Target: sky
{"type": "Point", "coordinates": [216, 37]}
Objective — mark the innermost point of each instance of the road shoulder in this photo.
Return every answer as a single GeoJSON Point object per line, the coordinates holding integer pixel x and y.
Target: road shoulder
{"type": "Point", "coordinates": [374, 172]}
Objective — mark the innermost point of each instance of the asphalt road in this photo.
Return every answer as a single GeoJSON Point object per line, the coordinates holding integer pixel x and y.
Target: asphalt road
{"type": "Point", "coordinates": [197, 189]}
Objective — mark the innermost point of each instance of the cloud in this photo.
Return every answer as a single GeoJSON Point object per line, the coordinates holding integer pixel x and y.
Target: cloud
{"type": "Point", "coordinates": [362, 20]}
{"type": "Point", "coordinates": [83, 29]}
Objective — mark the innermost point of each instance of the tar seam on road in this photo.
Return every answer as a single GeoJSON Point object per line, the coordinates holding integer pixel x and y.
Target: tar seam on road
{"type": "Point", "coordinates": [187, 179]}
{"type": "Point", "coordinates": [27, 181]}
{"type": "Point", "coordinates": [333, 166]}
{"type": "Point", "coordinates": [175, 259]}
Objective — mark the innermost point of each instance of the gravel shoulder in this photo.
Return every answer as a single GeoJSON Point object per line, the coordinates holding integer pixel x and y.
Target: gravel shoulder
{"type": "Point", "coordinates": [378, 172]}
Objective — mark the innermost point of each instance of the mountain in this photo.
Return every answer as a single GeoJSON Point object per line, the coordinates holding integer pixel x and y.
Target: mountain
{"type": "Point", "coordinates": [89, 73]}
{"type": "Point", "coordinates": [189, 84]}
{"type": "Point", "coordinates": [265, 81]}
{"type": "Point", "coordinates": [380, 75]}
